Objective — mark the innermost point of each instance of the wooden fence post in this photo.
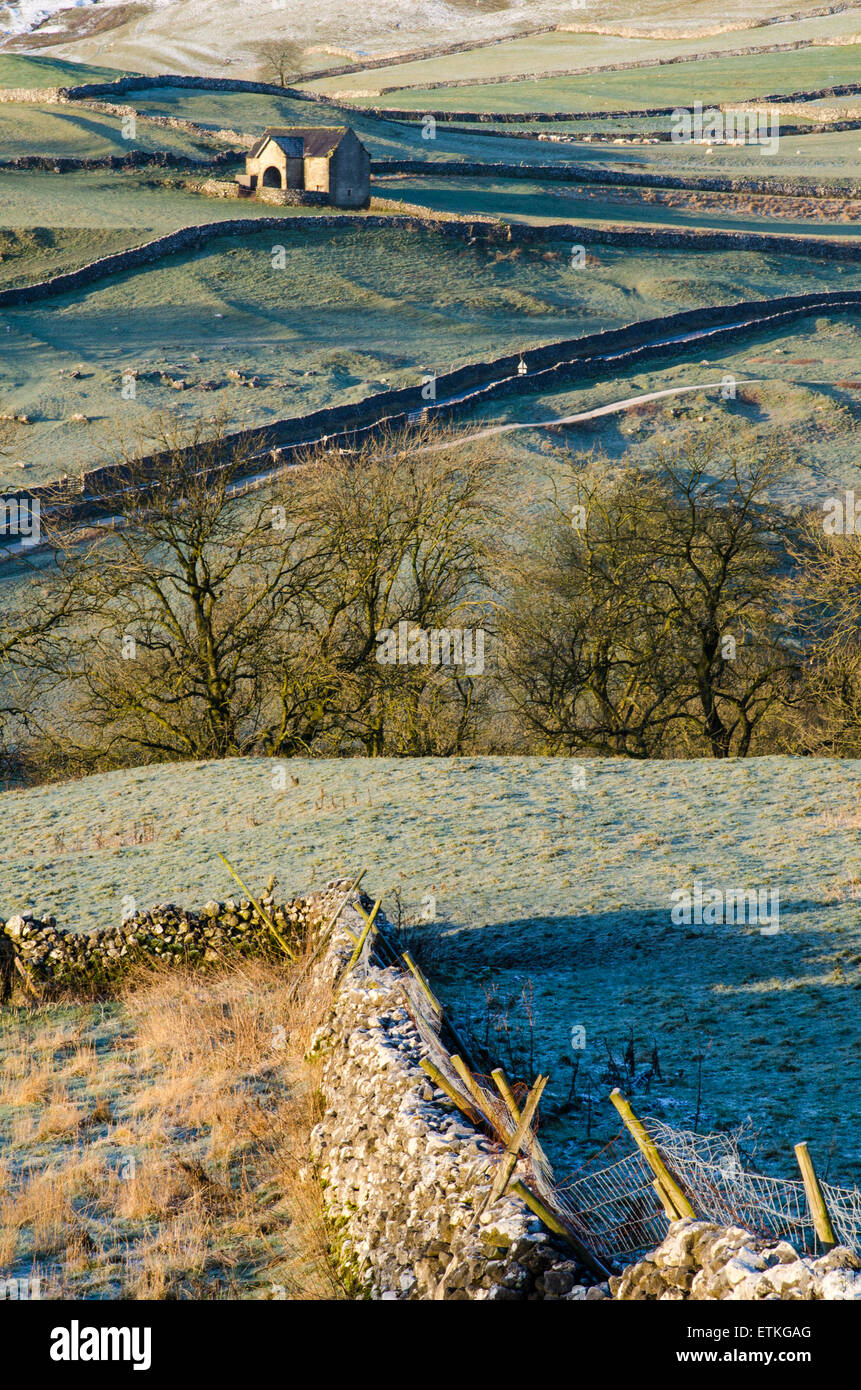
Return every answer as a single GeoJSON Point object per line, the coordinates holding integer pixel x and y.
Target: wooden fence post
{"type": "Point", "coordinates": [264, 916]}
{"type": "Point", "coordinates": [649, 1150]}
{"type": "Point", "coordinates": [815, 1198]}
{"type": "Point", "coordinates": [366, 930]}
{"type": "Point", "coordinates": [470, 1083]}
{"type": "Point", "coordinates": [445, 1085]}
{"type": "Point", "coordinates": [520, 1136]}
{"type": "Point", "coordinates": [552, 1222]}
{"type": "Point", "coordinates": [419, 977]}
{"type": "Point", "coordinates": [507, 1094]}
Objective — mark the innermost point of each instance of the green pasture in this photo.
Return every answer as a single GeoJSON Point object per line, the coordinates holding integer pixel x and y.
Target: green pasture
{"type": "Point", "coordinates": [564, 52]}
{"type": "Point", "coordinates": [33, 72]}
{"type": "Point", "coordinates": [525, 200]}
{"type": "Point", "coordinates": [348, 316]}
{"type": "Point", "coordinates": [712, 80]}
{"type": "Point", "coordinates": [82, 134]}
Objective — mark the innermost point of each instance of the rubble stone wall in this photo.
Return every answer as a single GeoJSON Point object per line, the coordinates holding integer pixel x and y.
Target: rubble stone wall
{"type": "Point", "coordinates": [700, 1260]}
{"type": "Point", "coordinates": [403, 1170]}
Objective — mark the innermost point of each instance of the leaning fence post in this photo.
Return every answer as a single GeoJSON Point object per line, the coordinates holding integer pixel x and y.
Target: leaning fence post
{"type": "Point", "coordinates": [366, 931]}
{"type": "Point", "coordinates": [453, 1094]}
{"type": "Point", "coordinates": [521, 1136]}
{"type": "Point", "coordinates": [552, 1222]}
{"type": "Point", "coordinates": [264, 916]}
{"type": "Point", "coordinates": [815, 1198]}
{"type": "Point", "coordinates": [646, 1144]}
{"type": "Point", "coordinates": [434, 1003]}
{"type": "Point", "coordinates": [425, 987]}
{"type": "Point", "coordinates": [669, 1209]}
{"type": "Point", "coordinates": [507, 1094]}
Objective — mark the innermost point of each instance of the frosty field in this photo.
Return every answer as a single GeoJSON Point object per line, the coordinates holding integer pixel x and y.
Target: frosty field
{"type": "Point", "coordinates": [534, 878]}
{"type": "Point", "coordinates": [366, 317]}
{"type": "Point", "coordinates": [578, 51]}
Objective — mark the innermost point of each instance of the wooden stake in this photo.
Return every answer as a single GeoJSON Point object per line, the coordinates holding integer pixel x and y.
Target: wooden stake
{"type": "Point", "coordinates": [815, 1198]}
{"type": "Point", "coordinates": [669, 1209]}
{"type": "Point", "coordinates": [507, 1094]}
{"type": "Point", "coordinates": [368, 927]}
{"type": "Point", "coordinates": [25, 975]}
{"type": "Point", "coordinates": [343, 903]}
{"type": "Point", "coordinates": [648, 1149]}
{"type": "Point", "coordinates": [445, 1085]}
{"type": "Point", "coordinates": [516, 1142]}
{"type": "Point", "coordinates": [435, 1004]}
{"type": "Point", "coordinates": [326, 933]}
{"type": "Point", "coordinates": [413, 968]}
{"type": "Point", "coordinates": [291, 955]}
{"type": "Point", "coordinates": [553, 1223]}
{"type": "Point", "coordinates": [469, 1081]}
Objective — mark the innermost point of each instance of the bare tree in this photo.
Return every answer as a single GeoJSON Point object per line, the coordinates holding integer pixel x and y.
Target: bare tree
{"type": "Point", "coordinates": [218, 619]}
{"type": "Point", "coordinates": [829, 584]}
{"type": "Point", "coordinates": [410, 525]}
{"type": "Point", "coordinates": [647, 617]}
{"type": "Point", "coordinates": [280, 61]}
{"type": "Point", "coordinates": [189, 604]}
{"type": "Point", "coordinates": [32, 614]}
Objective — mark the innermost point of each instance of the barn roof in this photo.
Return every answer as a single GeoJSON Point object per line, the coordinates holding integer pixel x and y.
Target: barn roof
{"type": "Point", "coordinates": [318, 141]}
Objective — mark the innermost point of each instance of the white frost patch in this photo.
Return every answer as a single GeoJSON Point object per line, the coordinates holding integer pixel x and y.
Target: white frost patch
{"type": "Point", "coordinates": [23, 16]}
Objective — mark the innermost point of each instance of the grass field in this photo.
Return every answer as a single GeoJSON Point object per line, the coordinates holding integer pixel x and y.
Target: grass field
{"type": "Point", "coordinates": [525, 200]}
{"type": "Point", "coordinates": [151, 201]}
{"type": "Point", "coordinates": [82, 134]}
{"type": "Point", "coordinates": [36, 72]}
{"type": "Point", "coordinates": [712, 80]}
{"type": "Point", "coordinates": [135, 1163]}
{"type": "Point", "coordinates": [30, 254]}
{"type": "Point", "coordinates": [369, 316]}
{"type": "Point", "coordinates": [187, 36]}
{"type": "Point", "coordinates": [533, 881]}
{"type": "Point", "coordinates": [536, 892]}
{"type": "Point", "coordinates": [561, 52]}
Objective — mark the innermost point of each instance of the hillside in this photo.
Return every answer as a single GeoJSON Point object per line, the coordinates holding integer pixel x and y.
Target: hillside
{"type": "Point", "coordinates": [532, 880]}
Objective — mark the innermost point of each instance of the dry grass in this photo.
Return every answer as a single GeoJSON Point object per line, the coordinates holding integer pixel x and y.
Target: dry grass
{"type": "Point", "coordinates": [156, 1146]}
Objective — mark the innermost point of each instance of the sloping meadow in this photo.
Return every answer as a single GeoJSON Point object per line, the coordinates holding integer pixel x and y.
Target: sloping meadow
{"type": "Point", "coordinates": [547, 899]}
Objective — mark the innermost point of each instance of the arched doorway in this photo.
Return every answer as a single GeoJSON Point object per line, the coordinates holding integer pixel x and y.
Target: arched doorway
{"type": "Point", "coordinates": [271, 177]}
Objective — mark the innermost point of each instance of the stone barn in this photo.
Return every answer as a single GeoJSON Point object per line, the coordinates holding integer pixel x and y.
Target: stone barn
{"type": "Point", "coordinates": [328, 161]}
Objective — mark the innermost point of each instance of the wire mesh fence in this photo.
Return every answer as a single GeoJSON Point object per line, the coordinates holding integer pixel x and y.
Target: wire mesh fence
{"type": "Point", "coordinates": [612, 1205]}
{"type": "Point", "coordinates": [618, 1210]}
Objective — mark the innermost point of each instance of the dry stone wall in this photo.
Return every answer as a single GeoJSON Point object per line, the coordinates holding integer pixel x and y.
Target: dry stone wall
{"type": "Point", "coordinates": [404, 1175]}
{"type": "Point", "coordinates": [546, 367]}
{"type": "Point", "coordinates": [49, 958]}
{"type": "Point", "coordinates": [403, 1172]}
{"type": "Point", "coordinates": [135, 159]}
{"type": "Point", "coordinates": [620, 178]}
{"type": "Point", "coordinates": [700, 1260]}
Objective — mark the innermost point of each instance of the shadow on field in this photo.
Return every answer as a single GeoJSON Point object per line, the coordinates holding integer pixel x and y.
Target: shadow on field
{"type": "Point", "coordinates": [614, 941]}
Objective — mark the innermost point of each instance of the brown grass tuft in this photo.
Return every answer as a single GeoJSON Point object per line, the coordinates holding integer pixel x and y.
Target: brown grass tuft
{"type": "Point", "coordinates": [154, 1145]}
